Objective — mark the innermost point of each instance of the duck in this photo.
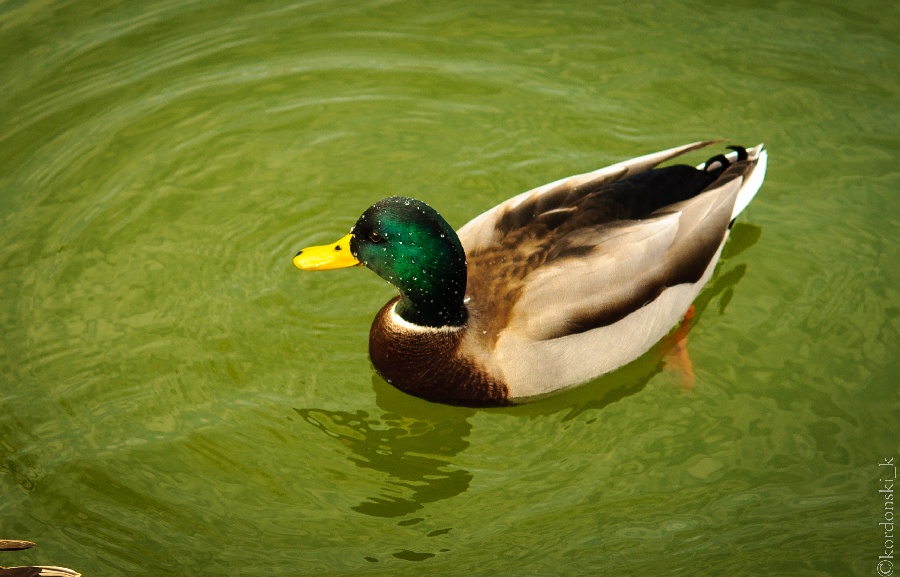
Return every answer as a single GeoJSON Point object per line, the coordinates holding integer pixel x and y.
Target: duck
{"type": "Point", "coordinates": [553, 287]}
{"type": "Point", "coordinates": [31, 571]}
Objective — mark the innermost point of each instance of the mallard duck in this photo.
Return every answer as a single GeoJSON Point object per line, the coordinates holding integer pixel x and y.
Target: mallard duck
{"type": "Point", "coordinates": [551, 288]}
{"type": "Point", "coordinates": [32, 571]}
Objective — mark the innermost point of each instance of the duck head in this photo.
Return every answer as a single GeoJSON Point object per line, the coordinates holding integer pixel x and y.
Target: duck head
{"type": "Point", "coordinates": [410, 245]}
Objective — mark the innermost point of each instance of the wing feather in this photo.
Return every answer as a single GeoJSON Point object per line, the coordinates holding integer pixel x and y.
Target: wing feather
{"type": "Point", "coordinates": [482, 231]}
{"type": "Point", "coordinates": [631, 264]}
{"type": "Point", "coordinates": [602, 286]}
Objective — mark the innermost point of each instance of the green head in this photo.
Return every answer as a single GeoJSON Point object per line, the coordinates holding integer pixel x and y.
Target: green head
{"type": "Point", "coordinates": [407, 243]}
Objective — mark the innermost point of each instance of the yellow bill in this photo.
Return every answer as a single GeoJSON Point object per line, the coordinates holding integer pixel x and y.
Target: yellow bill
{"type": "Point", "coordinates": [327, 257]}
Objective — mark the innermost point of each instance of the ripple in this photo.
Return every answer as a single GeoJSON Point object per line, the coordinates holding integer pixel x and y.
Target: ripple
{"type": "Point", "coordinates": [163, 162]}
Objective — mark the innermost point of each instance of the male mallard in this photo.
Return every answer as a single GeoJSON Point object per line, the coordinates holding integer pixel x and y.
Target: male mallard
{"type": "Point", "coordinates": [551, 288]}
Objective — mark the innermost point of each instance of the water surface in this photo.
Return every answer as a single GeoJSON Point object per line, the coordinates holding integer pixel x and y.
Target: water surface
{"type": "Point", "coordinates": [177, 399]}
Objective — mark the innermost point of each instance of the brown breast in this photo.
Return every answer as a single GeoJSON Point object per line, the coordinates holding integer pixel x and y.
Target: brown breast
{"type": "Point", "coordinates": [429, 364]}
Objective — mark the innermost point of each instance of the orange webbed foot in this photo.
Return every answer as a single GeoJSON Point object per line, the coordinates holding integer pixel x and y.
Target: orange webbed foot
{"type": "Point", "coordinates": [676, 357]}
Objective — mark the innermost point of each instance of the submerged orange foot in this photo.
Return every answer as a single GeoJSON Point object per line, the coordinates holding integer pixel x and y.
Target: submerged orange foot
{"type": "Point", "coordinates": [676, 357]}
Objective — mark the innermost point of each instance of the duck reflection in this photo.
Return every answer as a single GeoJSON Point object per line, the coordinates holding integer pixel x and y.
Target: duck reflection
{"type": "Point", "coordinates": [412, 441]}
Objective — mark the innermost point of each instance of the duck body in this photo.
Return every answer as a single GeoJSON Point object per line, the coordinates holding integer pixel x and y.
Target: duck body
{"type": "Point", "coordinates": [31, 571]}
{"type": "Point", "coordinates": [551, 288]}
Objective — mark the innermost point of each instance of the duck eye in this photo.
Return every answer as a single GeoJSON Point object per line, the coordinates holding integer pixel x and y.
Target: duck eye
{"type": "Point", "coordinates": [375, 237]}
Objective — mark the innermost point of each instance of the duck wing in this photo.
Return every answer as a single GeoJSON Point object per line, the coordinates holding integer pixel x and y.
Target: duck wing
{"type": "Point", "coordinates": [605, 262]}
{"type": "Point", "coordinates": [38, 571]}
{"type": "Point", "coordinates": [601, 274]}
{"type": "Point", "coordinates": [484, 230]}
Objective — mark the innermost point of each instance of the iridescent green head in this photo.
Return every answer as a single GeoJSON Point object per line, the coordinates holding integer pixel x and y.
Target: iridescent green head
{"type": "Point", "coordinates": [407, 243]}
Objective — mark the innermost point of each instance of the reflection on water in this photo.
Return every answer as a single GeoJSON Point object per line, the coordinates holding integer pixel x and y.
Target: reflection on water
{"type": "Point", "coordinates": [160, 161]}
{"type": "Point", "coordinates": [743, 236]}
{"type": "Point", "coordinates": [416, 453]}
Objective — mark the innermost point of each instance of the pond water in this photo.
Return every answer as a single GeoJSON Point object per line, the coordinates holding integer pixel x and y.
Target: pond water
{"type": "Point", "coordinates": [177, 399]}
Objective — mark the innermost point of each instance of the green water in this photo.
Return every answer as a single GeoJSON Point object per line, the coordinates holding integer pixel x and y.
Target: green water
{"type": "Point", "coordinates": [177, 399]}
